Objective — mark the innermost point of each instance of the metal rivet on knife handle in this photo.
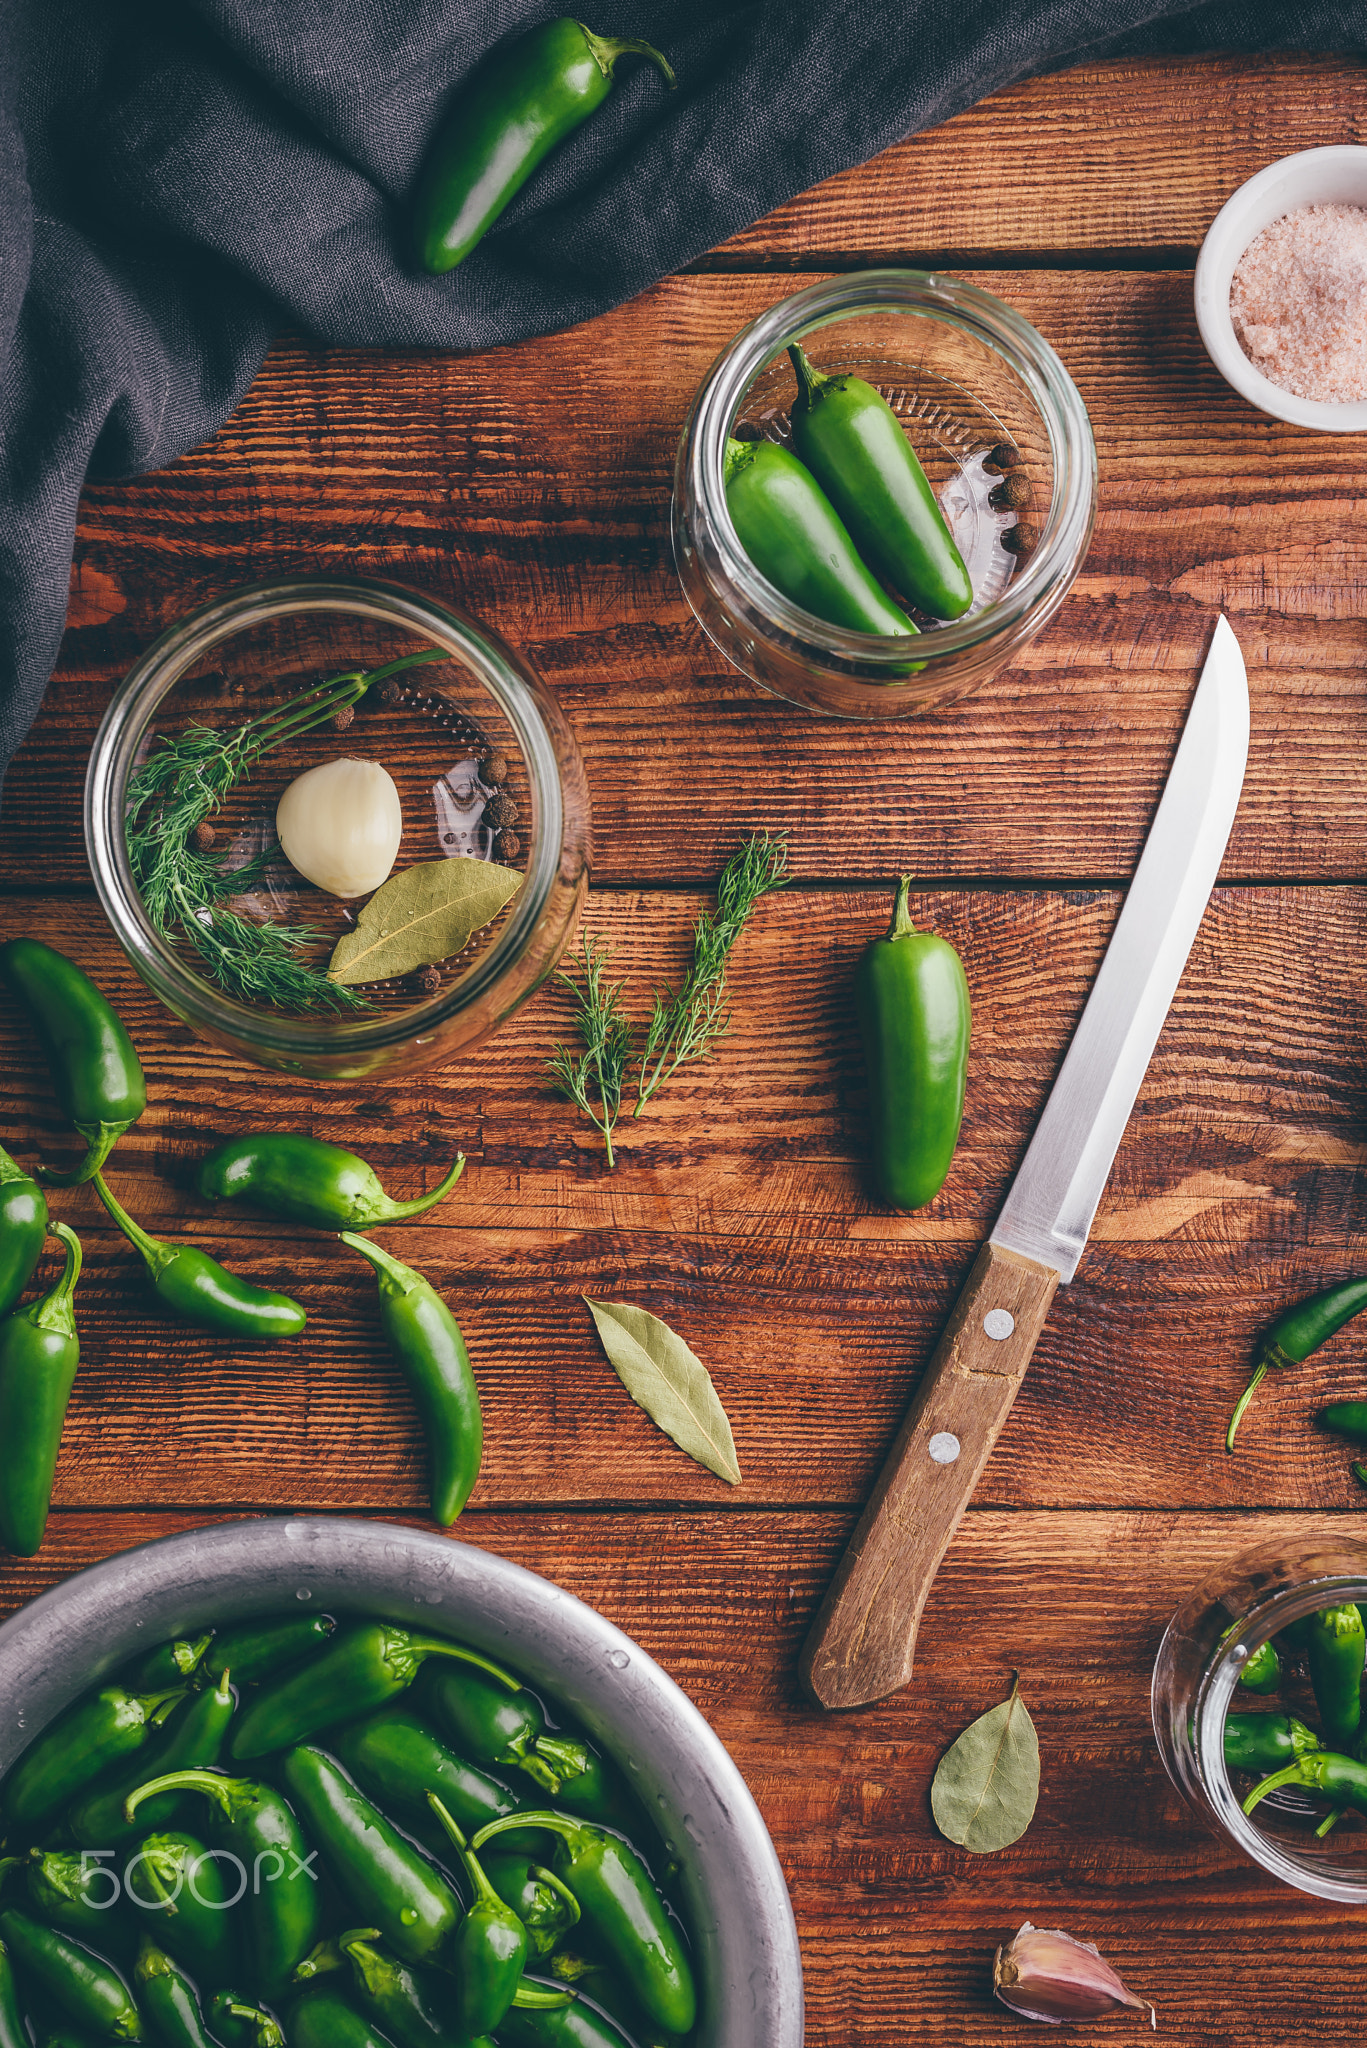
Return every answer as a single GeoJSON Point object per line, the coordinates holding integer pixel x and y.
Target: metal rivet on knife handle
{"type": "Point", "coordinates": [998, 1323]}
{"type": "Point", "coordinates": [944, 1447]}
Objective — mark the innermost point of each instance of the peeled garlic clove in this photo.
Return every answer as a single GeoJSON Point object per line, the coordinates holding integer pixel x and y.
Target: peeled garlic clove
{"type": "Point", "coordinates": [1046, 1975]}
{"type": "Point", "coordinates": [340, 825]}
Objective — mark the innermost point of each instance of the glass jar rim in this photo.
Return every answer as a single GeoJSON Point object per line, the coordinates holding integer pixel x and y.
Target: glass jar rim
{"type": "Point", "coordinates": [989, 320]}
{"type": "Point", "coordinates": [506, 676]}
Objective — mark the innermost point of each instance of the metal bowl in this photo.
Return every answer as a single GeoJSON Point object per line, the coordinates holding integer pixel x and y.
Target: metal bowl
{"type": "Point", "coordinates": [736, 1900]}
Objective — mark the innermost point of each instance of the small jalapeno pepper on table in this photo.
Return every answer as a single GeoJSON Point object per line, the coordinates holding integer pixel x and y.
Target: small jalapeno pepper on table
{"type": "Point", "coordinates": [490, 1946]}
{"type": "Point", "coordinates": [256, 1825]}
{"type": "Point", "coordinates": [1295, 1334]}
{"type": "Point", "coordinates": [23, 1226]}
{"type": "Point", "coordinates": [39, 1355]}
{"type": "Point", "coordinates": [173, 1877]}
{"type": "Point", "coordinates": [797, 540]}
{"type": "Point", "coordinates": [362, 1668]}
{"type": "Point", "coordinates": [83, 1985]}
{"type": "Point", "coordinates": [523, 100]}
{"type": "Point", "coordinates": [95, 1068]}
{"type": "Point", "coordinates": [196, 1287]}
{"type": "Point", "coordinates": [89, 1738]}
{"type": "Point", "coordinates": [852, 441]}
{"type": "Point", "coordinates": [378, 1871]}
{"type": "Point", "coordinates": [425, 1339]}
{"type": "Point", "coordinates": [915, 1019]}
{"type": "Point", "coordinates": [304, 1180]}
{"type": "Point", "coordinates": [191, 1738]}
{"type": "Point", "coordinates": [623, 1914]}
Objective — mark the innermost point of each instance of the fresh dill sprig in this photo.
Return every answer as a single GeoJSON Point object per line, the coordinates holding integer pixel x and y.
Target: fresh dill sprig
{"type": "Point", "coordinates": [687, 1022]}
{"type": "Point", "coordinates": [606, 1032]}
{"type": "Point", "coordinates": [184, 890]}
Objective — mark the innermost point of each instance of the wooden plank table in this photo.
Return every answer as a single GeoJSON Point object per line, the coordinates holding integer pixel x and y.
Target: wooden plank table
{"type": "Point", "coordinates": [531, 485]}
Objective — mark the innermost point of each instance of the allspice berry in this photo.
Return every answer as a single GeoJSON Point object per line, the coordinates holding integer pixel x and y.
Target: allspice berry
{"type": "Point", "coordinates": [493, 768]}
{"type": "Point", "coordinates": [509, 845]}
{"type": "Point", "coordinates": [391, 691]}
{"type": "Point", "coordinates": [203, 837]}
{"type": "Point", "coordinates": [1005, 455]}
{"type": "Point", "coordinates": [342, 717]}
{"type": "Point", "coordinates": [500, 811]}
{"type": "Point", "coordinates": [1012, 494]}
{"type": "Point", "coordinates": [1020, 539]}
{"type": "Point", "coordinates": [427, 981]}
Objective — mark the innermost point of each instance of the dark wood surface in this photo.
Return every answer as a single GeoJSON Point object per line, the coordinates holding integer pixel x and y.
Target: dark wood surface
{"type": "Point", "coordinates": [532, 485]}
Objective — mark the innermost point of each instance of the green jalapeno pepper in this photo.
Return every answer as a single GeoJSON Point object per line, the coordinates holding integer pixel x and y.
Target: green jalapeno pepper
{"type": "Point", "coordinates": [1295, 1334]}
{"type": "Point", "coordinates": [1345, 1418]}
{"type": "Point", "coordinates": [191, 1893]}
{"type": "Point", "coordinates": [88, 1739]}
{"type": "Point", "coordinates": [172, 1663]}
{"type": "Point", "coordinates": [39, 1354]}
{"type": "Point", "coordinates": [361, 1669]}
{"type": "Point", "coordinates": [87, 1989]}
{"type": "Point", "coordinates": [1335, 1648]}
{"type": "Point", "coordinates": [426, 1341]}
{"type": "Point", "coordinates": [325, 2019]}
{"type": "Point", "coordinates": [915, 1019]}
{"type": "Point", "coordinates": [307, 1181]}
{"type": "Point", "coordinates": [492, 1725]}
{"type": "Point", "coordinates": [623, 1914]}
{"type": "Point", "coordinates": [280, 1903]}
{"type": "Point", "coordinates": [577, 2025]}
{"type": "Point", "coordinates": [95, 1069]}
{"type": "Point", "coordinates": [23, 1226]}
{"type": "Point", "coordinates": [1265, 1742]}
{"type": "Point", "coordinates": [547, 1908]}
{"type": "Point", "coordinates": [260, 1650]}
{"type": "Point", "coordinates": [70, 1889]}
{"type": "Point", "coordinates": [331, 1955]}
{"type": "Point", "coordinates": [1262, 1672]}
{"type": "Point", "coordinates": [240, 2024]}
{"type": "Point", "coordinates": [855, 446]}
{"type": "Point", "coordinates": [411, 2006]}
{"type": "Point", "coordinates": [523, 100]}
{"type": "Point", "coordinates": [380, 1874]}
{"type": "Point", "coordinates": [591, 1980]}
{"type": "Point", "coordinates": [191, 1739]}
{"type": "Point", "coordinates": [13, 2031]}
{"type": "Point", "coordinates": [797, 540]}
{"type": "Point", "coordinates": [397, 1760]}
{"type": "Point", "coordinates": [490, 1947]}
{"type": "Point", "coordinates": [196, 1287]}
{"type": "Point", "coordinates": [1340, 1778]}
{"type": "Point", "coordinates": [170, 2000]}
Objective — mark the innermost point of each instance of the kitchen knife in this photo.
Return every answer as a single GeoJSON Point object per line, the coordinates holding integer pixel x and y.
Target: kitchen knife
{"type": "Point", "coordinates": [862, 1640]}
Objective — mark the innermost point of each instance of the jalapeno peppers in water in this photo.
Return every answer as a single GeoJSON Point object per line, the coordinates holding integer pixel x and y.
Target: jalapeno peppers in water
{"type": "Point", "coordinates": [304, 1180]}
{"type": "Point", "coordinates": [82, 1743]}
{"type": "Point", "coordinates": [426, 1340]}
{"type": "Point", "coordinates": [796, 538]}
{"type": "Point", "coordinates": [911, 999]}
{"type": "Point", "coordinates": [23, 1226]}
{"type": "Point", "coordinates": [398, 1760]}
{"type": "Point", "coordinates": [196, 1287]}
{"type": "Point", "coordinates": [490, 1947]}
{"type": "Point", "coordinates": [1295, 1334]}
{"type": "Point", "coordinates": [518, 105]}
{"type": "Point", "coordinates": [191, 1738]}
{"type": "Point", "coordinates": [89, 1990]}
{"type": "Point", "coordinates": [857, 449]}
{"type": "Point", "coordinates": [39, 1353]}
{"type": "Point", "coordinates": [497, 1726]}
{"type": "Point", "coordinates": [95, 1069]}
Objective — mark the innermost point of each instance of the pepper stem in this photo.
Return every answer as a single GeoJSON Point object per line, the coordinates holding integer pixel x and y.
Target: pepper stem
{"type": "Point", "coordinates": [532, 1998]}
{"type": "Point", "coordinates": [154, 1252]}
{"type": "Point", "coordinates": [211, 1783]}
{"type": "Point", "coordinates": [53, 1313]}
{"type": "Point", "coordinates": [810, 382]}
{"type": "Point", "coordinates": [268, 2034]}
{"type": "Point", "coordinates": [432, 1646]}
{"type": "Point", "coordinates": [902, 926]}
{"type": "Point", "coordinates": [396, 1211]}
{"type": "Point", "coordinates": [100, 1142]}
{"type": "Point", "coordinates": [404, 1278]}
{"type": "Point", "coordinates": [548, 1877]}
{"type": "Point", "coordinates": [485, 1895]}
{"type": "Point", "coordinates": [738, 455]}
{"type": "Point", "coordinates": [1330, 1822]}
{"type": "Point", "coordinates": [567, 1758]}
{"type": "Point", "coordinates": [10, 1169]}
{"type": "Point", "coordinates": [1294, 1774]}
{"type": "Point", "coordinates": [606, 50]}
{"type": "Point", "coordinates": [553, 1823]}
{"type": "Point", "coordinates": [1259, 1375]}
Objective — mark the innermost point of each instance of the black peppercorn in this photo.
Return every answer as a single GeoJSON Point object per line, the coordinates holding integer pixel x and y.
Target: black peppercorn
{"type": "Point", "coordinates": [427, 981]}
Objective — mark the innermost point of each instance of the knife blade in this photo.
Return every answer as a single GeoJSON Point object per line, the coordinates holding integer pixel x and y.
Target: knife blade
{"type": "Point", "coordinates": [863, 1639]}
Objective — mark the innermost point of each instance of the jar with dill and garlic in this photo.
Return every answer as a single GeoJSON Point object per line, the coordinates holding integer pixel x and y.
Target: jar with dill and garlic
{"type": "Point", "coordinates": [339, 827]}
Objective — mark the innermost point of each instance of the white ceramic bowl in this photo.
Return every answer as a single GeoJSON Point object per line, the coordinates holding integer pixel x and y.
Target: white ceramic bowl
{"type": "Point", "coordinates": [1314, 177]}
{"type": "Point", "coordinates": [737, 1902]}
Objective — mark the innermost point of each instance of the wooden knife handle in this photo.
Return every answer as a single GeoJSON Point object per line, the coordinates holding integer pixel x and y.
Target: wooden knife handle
{"type": "Point", "coordinates": [861, 1644]}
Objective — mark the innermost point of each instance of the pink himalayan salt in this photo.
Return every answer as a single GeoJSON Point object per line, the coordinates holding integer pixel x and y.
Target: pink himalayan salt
{"type": "Point", "coordinates": [1299, 303]}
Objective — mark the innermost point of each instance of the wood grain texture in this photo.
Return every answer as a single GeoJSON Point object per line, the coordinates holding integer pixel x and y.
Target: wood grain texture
{"type": "Point", "coordinates": [532, 486]}
{"type": "Point", "coordinates": [863, 1639]}
{"type": "Point", "coordinates": [1136, 154]}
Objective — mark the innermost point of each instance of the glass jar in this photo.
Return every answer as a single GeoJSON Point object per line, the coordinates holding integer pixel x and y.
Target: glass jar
{"type": "Point", "coordinates": [1234, 1610]}
{"type": "Point", "coordinates": [965, 374]}
{"type": "Point", "coordinates": [248, 653]}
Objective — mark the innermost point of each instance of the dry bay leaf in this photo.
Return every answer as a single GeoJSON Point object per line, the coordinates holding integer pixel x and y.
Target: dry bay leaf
{"type": "Point", "coordinates": [426, 913]}
{"type": "Point", "coordinates": [984, 1791]}
{"type": "Point", "coordinates": [662, 1376]}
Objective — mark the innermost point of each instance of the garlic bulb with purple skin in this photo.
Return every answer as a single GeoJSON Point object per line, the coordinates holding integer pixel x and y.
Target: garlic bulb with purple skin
{"type": "Point", "coordinates": [1044, 1974]}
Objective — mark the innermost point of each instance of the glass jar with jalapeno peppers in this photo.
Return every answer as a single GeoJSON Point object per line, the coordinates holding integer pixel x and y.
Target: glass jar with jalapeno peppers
{"type": "Point", "coordinates": [978, 396]}
{"type": "Point", "coordinates": [1257, 1694]}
